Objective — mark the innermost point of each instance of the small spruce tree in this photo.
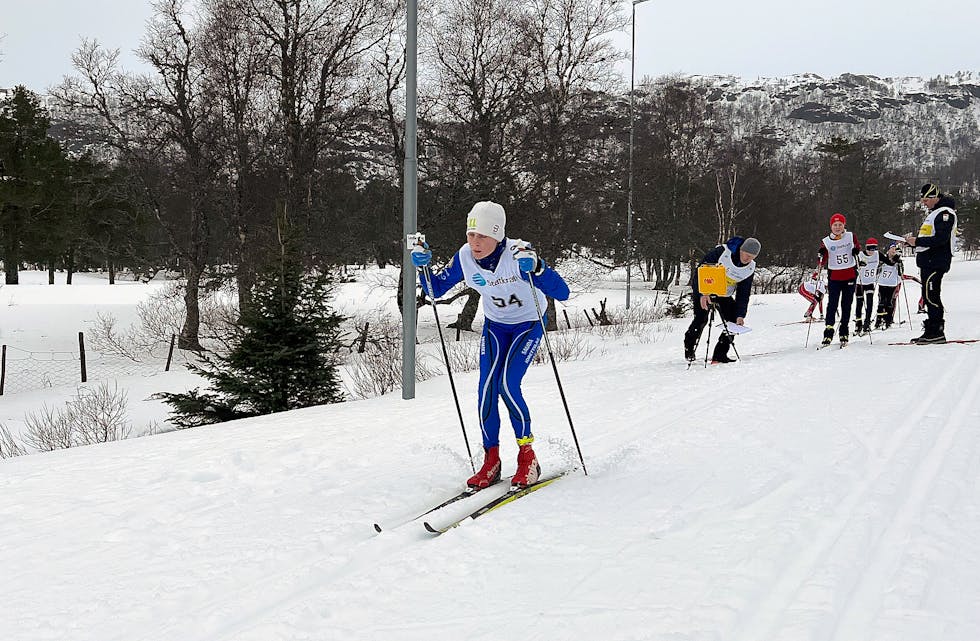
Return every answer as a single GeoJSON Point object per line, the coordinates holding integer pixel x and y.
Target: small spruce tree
{"type": "Point", "coordinates": [283, 358]}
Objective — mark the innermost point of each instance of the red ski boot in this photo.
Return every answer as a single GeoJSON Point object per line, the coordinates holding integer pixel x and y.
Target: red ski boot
{"type": "Point", "coordinates": [528, 470]}
{"type": "Point", "coordinates": [490, 472]}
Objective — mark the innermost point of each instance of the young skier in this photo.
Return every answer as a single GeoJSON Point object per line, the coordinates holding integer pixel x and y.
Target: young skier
{"type": "Point", "coordinates": [501, 269]}
{"type": "Point", "coordinates": [889, 285]}
{"type": "Point", "coordinates": [868, 261]}
{"type": "Point", "coordinates": [813, 290]}
{"type": "Point", "coordinates": [737, 256]}
{"type": "Point", "coordinates": [837, 252]}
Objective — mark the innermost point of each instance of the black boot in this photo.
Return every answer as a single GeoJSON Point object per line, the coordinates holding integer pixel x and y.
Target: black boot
{"type": "Point", "coordinates": [720, 355]}
{"type": "Point", "coordinates": [934, 332]}
{"type": "Point", "coordinates": [828, 335]}
{"type": "Point", "coordinates": [690, 342]}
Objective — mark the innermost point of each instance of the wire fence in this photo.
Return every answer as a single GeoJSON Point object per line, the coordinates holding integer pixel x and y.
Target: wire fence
{"type": "Point", "coordinates": [24, 370]}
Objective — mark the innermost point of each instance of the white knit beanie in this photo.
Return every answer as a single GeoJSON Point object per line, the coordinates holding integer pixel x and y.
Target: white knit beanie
{"type": "Point", "coordinates": [487, 218]}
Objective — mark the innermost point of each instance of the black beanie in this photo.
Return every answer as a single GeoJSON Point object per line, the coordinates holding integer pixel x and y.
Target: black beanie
{"type": "Point", "coordinates": [929, 191]}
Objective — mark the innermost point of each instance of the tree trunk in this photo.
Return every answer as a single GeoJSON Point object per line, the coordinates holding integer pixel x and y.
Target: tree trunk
{"type": "Point", "coordinates": [69, 265]}
{"type": "Point", "coordinates": [465, 319]}
{"type": "Point", "coordinates": [245, 274]}
{"type": "Point", "coordinates": [11, 256]}
{"type": "Point", "coordinates": [190, 332]}
{"type": "Point", "coordinates": [551, 322]}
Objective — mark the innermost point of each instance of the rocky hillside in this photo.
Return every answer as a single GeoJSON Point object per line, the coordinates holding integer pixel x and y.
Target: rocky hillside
{"type": "Point", "coordinates": [920, 122]}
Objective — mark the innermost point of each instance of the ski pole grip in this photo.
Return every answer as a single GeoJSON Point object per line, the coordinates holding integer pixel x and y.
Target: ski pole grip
{"type": "Point", "coordinates": [415, 240]}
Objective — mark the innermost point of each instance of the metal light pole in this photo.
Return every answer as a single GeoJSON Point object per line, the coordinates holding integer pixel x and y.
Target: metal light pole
{"type": "Point", "coordinates": [410, 202]}
{"type": "Point", "coordinates": [629, 188]}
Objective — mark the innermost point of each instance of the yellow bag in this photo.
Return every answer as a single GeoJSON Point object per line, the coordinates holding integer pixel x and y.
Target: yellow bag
{"type": "Point", "coordinates": [712, 280]}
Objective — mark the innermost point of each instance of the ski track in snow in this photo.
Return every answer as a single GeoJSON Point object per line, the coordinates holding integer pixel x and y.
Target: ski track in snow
{"type": "Point", "coordinates": [867, 574]}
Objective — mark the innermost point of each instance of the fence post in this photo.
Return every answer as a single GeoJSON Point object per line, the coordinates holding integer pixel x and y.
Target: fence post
{"type": "Point", "coordinates": [586, 312]}
{"type": "Point", "coordinates": [170, 353]}
{"type": "Point", "coordinates": [3, 368]}
{"type": "Point", "coordinates": [567, 322]}
{"type": "Point", "coordinates": [81, 354]}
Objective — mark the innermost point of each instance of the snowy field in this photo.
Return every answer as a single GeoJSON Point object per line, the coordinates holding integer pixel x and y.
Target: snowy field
{"type": "Point", "coordinates": [793, 496]}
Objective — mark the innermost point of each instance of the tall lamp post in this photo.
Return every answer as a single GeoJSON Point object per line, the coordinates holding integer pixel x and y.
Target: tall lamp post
{"type": "Point", "coordinates": [629, 188]}
{"type": "Point", "coordinates": [409, 203]}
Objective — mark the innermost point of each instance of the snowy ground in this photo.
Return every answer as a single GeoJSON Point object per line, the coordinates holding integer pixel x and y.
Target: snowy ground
{"type": "Point", "coordinates": [796, 495]}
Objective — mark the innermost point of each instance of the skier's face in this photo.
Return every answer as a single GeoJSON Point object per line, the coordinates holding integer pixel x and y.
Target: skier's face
{"type": "Point", "coordinates": [745, 257]}
{"type": "Point", "coordinates": [481, 246]}
{"type": "Point", "coordinates": [837, 228]}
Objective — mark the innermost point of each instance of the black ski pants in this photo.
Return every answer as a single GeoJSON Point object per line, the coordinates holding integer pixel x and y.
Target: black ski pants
{"type": "Point", "coordinates": [725, 307]}
{"type": "Point", "coordinates": [864, 296]}
{"type": "Point", "coordinates": [887, 296]}
{"type": "Point", "coordinates": [840, 291]}
{"type": "Point", "coordinates": [932, 287]}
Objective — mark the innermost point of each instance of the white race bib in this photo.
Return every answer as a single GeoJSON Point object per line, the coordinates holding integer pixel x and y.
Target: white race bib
{"type": "Point", "coordinates": [506, 297]}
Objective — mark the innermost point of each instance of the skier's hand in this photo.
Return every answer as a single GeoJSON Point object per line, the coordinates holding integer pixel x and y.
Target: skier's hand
{"type": "Point", "coordinates": [527, 258]}
{"type": "Point", "coordinates": [705, 299]}
{"type": "Point", "coordinates": [421, 255]}
{"type": "Point", "coordinates": [910, 240]}
{"type": "Point", "coordinates": [739, 321]}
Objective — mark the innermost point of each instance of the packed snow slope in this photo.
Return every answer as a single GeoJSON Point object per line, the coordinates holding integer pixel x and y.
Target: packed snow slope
{"type": "Point", "coordinates": [799, 495]}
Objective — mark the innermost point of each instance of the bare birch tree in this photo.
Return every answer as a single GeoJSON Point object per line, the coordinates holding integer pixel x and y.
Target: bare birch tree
{"type": "Point", "coordinates": [728, 201]}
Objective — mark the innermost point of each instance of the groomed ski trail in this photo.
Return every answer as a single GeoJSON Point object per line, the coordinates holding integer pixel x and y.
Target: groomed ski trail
{"type": "Point", "coordinates": [786, 610]}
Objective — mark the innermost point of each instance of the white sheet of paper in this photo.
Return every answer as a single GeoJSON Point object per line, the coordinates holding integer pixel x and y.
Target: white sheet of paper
{"type": "Point", "coordinates": [892, 236]}
{"type": "Point", "coordinates": [737, 329]}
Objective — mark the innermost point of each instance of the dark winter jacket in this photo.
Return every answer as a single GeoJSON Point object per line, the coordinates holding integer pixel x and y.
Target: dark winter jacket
{"type": "Point", "coordinates": [744, 288]}
{"type": "Point", "coordinates": [938, 252]}
{"type": "Point", "coordinates": [896, 260]}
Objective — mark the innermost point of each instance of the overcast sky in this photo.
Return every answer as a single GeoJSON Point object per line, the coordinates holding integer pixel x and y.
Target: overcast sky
{"type": "Point", "coordinates": [750, 38]}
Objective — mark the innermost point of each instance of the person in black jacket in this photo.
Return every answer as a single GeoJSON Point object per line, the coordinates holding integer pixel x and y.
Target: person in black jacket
{"type": "Point", "coordinates": [934, 246]}
{"type": "Point", "coordinates": [738, 258]}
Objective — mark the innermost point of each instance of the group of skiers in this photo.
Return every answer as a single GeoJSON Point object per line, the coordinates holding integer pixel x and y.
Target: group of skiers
{"type": "Point", "coordinates": [853, 273]}
{"type": "Point", "coordinates": [514, 281]}
{"type": "Point", "coordinates": [883, 269]}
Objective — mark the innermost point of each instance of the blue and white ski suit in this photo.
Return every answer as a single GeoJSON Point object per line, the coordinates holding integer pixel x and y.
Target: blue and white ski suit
{"type": "Point", "coordinates": [511, 332]}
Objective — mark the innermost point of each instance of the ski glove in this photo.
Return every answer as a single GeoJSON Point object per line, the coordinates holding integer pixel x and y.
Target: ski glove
{"type": "Point", "coordinates": [527, 259]}
{"type": "Point", "coordinates": [421, 255]}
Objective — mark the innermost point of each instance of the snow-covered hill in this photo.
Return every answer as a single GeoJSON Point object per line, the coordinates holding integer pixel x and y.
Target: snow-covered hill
{"type": "Point", "coordinates": [793, 496]}
{"type": "Point", "coordinates": [919, 121]}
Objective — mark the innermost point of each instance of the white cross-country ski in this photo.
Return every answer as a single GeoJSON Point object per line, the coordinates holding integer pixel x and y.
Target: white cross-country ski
{"type": "Point", "coordinates": [510, 496]}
